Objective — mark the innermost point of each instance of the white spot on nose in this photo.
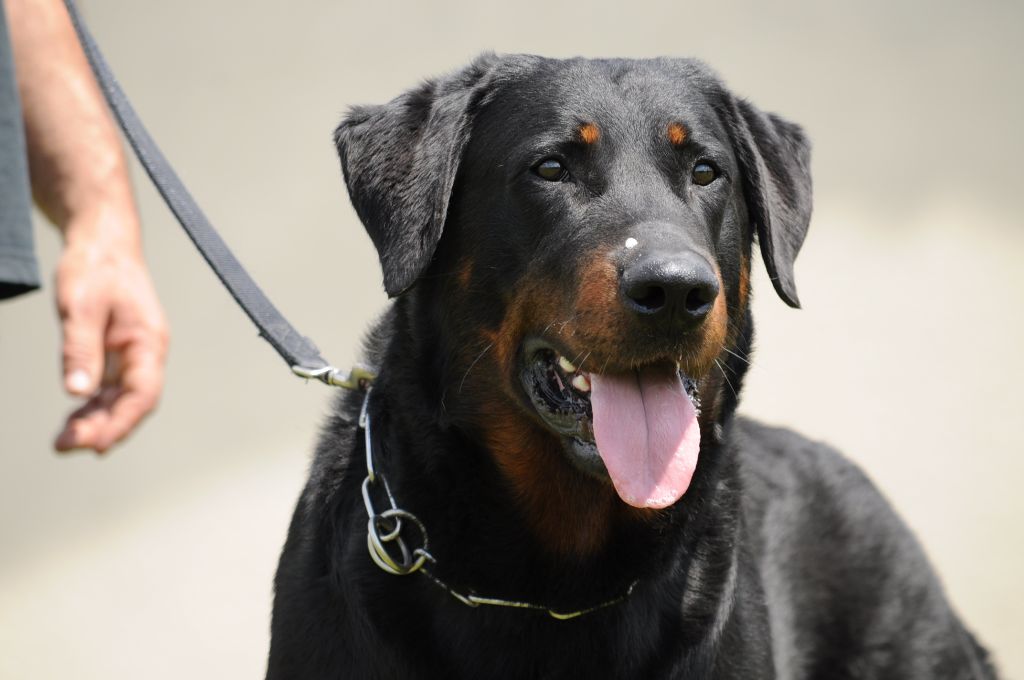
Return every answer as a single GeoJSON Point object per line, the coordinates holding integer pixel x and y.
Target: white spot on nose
{"type": "Point", "coordinates": [631, 243]}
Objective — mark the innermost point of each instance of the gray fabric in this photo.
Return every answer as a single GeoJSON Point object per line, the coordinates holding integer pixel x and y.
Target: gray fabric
{"type": "Point", "coordinates": [19, 272]}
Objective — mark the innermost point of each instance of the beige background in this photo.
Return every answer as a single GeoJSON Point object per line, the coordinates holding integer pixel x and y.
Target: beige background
{"type": "Point", "coordinates": [156, 562]}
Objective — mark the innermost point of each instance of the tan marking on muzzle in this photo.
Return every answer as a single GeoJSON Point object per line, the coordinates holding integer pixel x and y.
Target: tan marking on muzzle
{"type": "Point", "coordinates": [599, 314]}
{"type": "Point", "coordinates": [713, 332]}
{"type": "Point", "coordinates": [568, 512]}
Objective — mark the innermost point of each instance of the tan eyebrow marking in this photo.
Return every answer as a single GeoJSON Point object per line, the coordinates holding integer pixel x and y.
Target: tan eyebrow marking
{"type": "Point", "coordinates": [589, 133]}
{"type": "Point", "coordinates": [676, 133]}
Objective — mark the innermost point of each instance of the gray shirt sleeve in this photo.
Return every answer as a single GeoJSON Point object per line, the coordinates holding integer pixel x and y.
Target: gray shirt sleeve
{"type": "Point", "coordinates": [19, 272]}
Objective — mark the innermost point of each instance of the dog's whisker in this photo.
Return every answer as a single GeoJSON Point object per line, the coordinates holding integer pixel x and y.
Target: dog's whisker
{"type": "Point", "coordinates": [727, 381]}
{"type": "Point", "coordinates": [568, 321]}
{"type": "Point", "coordinates": [579, 362]}
{"type": "Point", "coordinates": [745, 360]}
{"type": "Point", "coordinates": [729, 368]}
{"type": "Point", "coordinates": [478, 358]}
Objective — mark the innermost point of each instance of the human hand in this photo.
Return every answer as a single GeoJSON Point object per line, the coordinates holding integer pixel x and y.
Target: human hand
{"type": "Point", "coordinates": [115, 334]}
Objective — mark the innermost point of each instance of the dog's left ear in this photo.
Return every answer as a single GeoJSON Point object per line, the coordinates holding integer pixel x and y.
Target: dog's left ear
{"type": "Point", "coordinates": [400, 161]}
{"type": "Point", "coordinates": [775, 159]}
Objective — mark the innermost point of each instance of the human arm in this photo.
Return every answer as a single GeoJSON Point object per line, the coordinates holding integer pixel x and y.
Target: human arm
{"type": "Point", "coordinates": [114, 331]}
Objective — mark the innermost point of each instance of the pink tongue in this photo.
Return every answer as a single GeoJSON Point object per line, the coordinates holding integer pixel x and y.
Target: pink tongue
{"type": "Point", "coordinates": [647, 434]}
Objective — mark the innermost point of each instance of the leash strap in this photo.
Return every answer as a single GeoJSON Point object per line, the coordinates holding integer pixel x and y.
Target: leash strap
{"type": "Point", "coordinates": [299, 351]}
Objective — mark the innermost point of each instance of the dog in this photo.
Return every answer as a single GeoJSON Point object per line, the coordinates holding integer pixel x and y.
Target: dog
{"type": "Point", "coordinates": [547, 478]}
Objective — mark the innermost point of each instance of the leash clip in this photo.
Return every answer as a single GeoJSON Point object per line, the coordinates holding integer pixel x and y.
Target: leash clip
{"type": "Point", "coordinates": [358, 378]}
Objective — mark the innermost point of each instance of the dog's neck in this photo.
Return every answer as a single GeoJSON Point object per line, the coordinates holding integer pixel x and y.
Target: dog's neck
{"type": "Point", "coordinates": [470, 507]}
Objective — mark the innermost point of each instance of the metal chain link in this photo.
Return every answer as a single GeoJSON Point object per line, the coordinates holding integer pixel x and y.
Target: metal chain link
{"type": "Point", "coordinates": [390, 551]}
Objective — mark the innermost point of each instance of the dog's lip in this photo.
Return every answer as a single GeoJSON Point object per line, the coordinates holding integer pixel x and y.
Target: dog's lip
{"type": "Point", "coordinates": [561, 406]}
{"type": "Point", "coordinates": [549, 379]}
{"type": "Point", "coordinates": [535, 345]}
{"type": "Point", "coordinates": [556, 389]}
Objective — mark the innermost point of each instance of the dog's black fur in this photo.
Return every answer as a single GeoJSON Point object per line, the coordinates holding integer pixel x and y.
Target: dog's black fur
{"type": "Point", "coordinates": [780, 561]}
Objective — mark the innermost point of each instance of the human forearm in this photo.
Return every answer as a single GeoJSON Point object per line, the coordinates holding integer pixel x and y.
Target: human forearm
{"type": "Point", "coordinates": [79, 174]}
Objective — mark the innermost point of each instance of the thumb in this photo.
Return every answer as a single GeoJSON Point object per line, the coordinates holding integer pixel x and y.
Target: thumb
{"type": "Point", "coordinates": [83, 353]}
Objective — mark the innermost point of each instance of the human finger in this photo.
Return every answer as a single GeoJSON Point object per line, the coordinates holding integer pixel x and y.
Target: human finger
{"type": "Point", "coordinates": [83, 326]}
{"type": "Point", "coordinates": [85, 424]}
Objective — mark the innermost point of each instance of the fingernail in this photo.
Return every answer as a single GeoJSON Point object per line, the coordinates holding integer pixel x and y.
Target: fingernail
{"type": "Point", "coordinates": [78, 382]}
{"type": "Point", "coordinates": [65, 441]}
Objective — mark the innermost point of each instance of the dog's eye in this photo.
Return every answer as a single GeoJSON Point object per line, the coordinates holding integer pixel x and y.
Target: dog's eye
{"type": "Point", "coordinates": [551, 169]}
{"type": "Point", "coordinates": [704, 174]}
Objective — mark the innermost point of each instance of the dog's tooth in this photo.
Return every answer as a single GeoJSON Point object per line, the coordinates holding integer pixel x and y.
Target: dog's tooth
{"type": "Point", "coordinates": [566, 365]}
{"type": "Point", "coordinates": [581, 383]}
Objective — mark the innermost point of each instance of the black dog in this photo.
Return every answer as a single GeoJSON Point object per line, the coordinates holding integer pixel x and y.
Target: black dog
{"type": "Point", "coordinates": [569, 244]}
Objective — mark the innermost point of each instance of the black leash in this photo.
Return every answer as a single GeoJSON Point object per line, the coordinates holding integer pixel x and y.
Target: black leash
{"type": "Point", "coordinates": [302, 355]}
{"type": "Point", "coordinates": [385, 528]}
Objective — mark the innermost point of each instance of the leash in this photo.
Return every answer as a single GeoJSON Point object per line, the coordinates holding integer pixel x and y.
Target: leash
{"type": "Point", "coordinates": [300, 353]}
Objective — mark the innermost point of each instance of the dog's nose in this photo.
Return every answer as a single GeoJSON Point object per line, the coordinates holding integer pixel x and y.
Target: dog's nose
{"type": "Point", "coordinates": [678, 287]}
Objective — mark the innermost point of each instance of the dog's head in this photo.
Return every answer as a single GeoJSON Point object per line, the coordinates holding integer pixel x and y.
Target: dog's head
{"type": "Point", "coordinates": [578, 236]}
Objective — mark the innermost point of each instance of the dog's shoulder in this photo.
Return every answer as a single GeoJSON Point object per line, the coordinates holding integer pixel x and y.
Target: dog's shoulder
{"type": "Point", "coordinates": [842, 573]}
{"type": "Point", "coordinates": [780, 466]}
{"type": "Point", "coordinates": [804, 498]}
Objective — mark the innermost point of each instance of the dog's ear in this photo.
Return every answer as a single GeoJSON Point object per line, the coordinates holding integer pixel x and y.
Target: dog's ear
{"type": "Point", "coordinates": [775, 159]}
{"type": "Point", "coordinates": [400, 161]}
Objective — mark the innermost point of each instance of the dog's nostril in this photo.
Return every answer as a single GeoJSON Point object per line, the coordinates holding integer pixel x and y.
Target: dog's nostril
{"type": "Point", "coordinates": [677, 288]}
{"type": "Point", "coordinates": [648, 298]}
{"type": "Point", "coordinates": [698, 301]}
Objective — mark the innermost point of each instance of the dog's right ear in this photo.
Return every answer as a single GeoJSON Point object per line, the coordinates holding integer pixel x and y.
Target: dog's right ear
{"type": "Point", "coordinates": [400, 162]}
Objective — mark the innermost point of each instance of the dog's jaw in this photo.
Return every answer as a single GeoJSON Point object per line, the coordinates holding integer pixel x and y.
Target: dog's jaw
{"type": "Point", "coordinates": [651, 451]}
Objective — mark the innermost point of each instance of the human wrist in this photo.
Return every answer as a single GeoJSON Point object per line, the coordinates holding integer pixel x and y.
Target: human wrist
{"type": "Point", "coordinates": [108, 224]}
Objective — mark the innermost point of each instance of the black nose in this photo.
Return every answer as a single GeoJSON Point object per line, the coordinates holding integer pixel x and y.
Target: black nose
{"type": "Point", "coordinates": [680, 287]}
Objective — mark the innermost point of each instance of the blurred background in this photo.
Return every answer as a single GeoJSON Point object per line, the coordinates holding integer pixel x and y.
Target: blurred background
{"type": "Point", "coordinates": [156, 561]}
